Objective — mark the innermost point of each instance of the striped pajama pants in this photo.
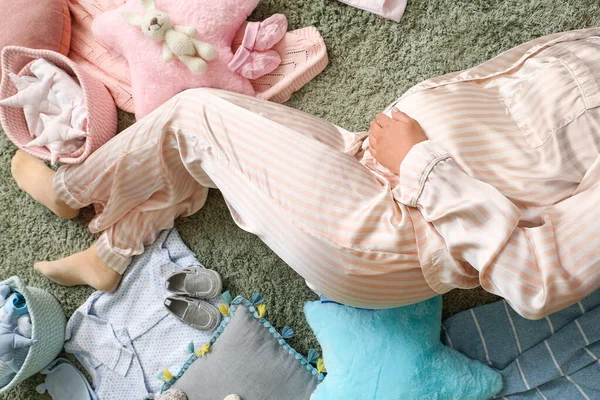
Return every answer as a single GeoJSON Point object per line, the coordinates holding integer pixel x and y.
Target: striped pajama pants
{"type": "Point", "coordinates": [495, 198]}
{"type": "Point", "coordinates": [286, 177]}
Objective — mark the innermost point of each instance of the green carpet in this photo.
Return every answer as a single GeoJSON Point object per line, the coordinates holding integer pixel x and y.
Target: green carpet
{"type": "Point", "coordinates": [372, 62]}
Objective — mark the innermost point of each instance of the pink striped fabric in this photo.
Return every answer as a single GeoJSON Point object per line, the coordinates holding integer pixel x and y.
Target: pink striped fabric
{"type": "Point", "coordinates": [503, 195]}
{"type": "Point", "coordinates": [507, 179]}
{"type": "Point", "coordinates": [285, 176]}
{"type": "Point", "coordinates": [102, 112]}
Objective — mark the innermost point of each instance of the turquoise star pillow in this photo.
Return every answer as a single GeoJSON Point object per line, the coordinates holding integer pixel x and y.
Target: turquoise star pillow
{"type": "Point", "coordinates": [393, 354]}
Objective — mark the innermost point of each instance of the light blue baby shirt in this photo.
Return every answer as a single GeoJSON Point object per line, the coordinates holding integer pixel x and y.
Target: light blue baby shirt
{"type": "Point", "coordinates": [124, 339]}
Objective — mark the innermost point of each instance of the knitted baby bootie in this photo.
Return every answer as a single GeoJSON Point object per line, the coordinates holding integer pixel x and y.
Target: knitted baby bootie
{"type": "Point", "coordinates": [259, 63]}
{"type": "Point", "coordinates": [255, 57]}
{"type": "Point", "coordinates": [270, 32]}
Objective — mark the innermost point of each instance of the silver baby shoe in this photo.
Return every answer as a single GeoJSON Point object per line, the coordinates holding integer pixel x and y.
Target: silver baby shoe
{"type": "Point", "coordinates": [195, 282]}
{"type": "Point", "coordinates": [196, 313]}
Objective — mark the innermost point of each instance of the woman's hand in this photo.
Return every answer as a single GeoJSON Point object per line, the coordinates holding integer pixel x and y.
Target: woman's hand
{"type": "Point", "coordinates": [391, 139]}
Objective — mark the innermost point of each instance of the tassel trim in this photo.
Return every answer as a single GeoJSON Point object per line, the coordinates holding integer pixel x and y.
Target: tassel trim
{"type": "Point", "coordinates": [224, 308]}
{"type": "Point", "coordinates": [258, 310]}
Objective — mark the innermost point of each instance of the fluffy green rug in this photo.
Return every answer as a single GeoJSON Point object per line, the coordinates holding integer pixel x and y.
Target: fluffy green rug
{"type": "Point", "coordinates": [372, 62]}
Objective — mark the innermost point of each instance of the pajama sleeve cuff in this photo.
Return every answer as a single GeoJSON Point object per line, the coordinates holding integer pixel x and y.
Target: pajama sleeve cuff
{"type": "Point", "coordinates": [415, 169]}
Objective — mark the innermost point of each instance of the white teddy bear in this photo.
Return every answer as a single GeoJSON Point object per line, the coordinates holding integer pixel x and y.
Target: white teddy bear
{"type": "Point", "coordinates": [177, 40]}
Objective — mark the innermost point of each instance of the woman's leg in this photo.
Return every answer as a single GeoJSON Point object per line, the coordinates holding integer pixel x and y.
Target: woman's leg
{"type": "Point", "coordinates": [113, 174]}
{"type": "Point", "coordinates": [34, 177]}
{"type": "Point", "coordinates": [285, 178]}
{"type": "Point", "coordinates": [39, 184]}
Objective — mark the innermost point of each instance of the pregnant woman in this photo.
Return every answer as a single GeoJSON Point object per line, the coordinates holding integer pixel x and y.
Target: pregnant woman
{"type": "Point", "coordinates": [483, 177]}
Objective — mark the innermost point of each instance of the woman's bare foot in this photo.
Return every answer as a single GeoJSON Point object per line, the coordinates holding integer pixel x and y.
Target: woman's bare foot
{"type": "Point", "coordinates": [85, 268]}
{"type": "Point", "coordinates": [35, 178]}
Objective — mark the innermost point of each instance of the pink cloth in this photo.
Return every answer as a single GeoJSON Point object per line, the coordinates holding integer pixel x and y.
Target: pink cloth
{"type": "Point", "coordinates": [303, 56]}
{"type": "Point", "coordinates": [154, 80]}
{"type": "Point", "coordinates": [390, 9]}
{"type": "Point", "coordinates": [95, 58]}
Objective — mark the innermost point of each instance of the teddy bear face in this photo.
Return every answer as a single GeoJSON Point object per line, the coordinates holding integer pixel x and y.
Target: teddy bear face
{"type": "Point", "coordinates": [154, 23]}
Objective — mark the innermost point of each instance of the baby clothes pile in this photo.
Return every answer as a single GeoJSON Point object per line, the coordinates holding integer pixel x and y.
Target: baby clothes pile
{"type": "Point", "coordinates": [54, 108]}
{"type": "Point", "coordinates": [125, 338]}
{"type": "Point", "coordinates": [15, 333]}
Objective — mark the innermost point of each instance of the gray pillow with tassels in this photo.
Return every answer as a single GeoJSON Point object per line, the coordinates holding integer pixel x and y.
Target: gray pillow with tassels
{"type": "Point", "coordinates": [247, 357]}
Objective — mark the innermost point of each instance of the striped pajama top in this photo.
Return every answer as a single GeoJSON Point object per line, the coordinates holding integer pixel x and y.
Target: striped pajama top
{"type": "Point", "coordinates": [505, 192]}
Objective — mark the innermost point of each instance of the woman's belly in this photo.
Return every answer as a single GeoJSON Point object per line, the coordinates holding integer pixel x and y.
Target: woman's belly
{"type": "Point", "coordinates": [530, 128]}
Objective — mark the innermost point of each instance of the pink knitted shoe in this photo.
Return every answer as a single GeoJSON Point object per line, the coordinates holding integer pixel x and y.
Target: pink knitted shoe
{"type": "Point", "coordinates": [271, 31]}
{"type": "Point", "coordinates": [259, 63]}
{"type": "Point", "coordinates": [254, 57]}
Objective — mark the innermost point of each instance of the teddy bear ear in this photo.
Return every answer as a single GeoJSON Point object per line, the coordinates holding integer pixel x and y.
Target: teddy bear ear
{"type": "Point", "coordinates": [149, 4]}
{"type": "Point", "coordinates": [132, 19]}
